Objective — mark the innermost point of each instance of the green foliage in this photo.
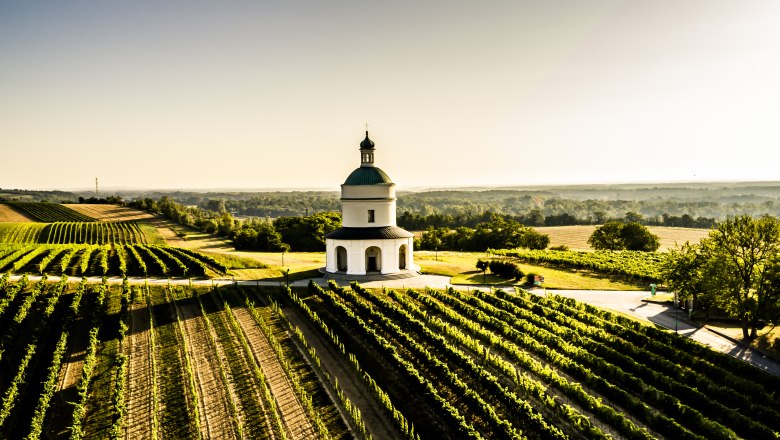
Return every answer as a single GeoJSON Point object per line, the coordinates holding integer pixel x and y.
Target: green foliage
{"type": "Point", "coordinates": [115, 233]}
{"type": "Point", "coordinates": [632, 264]}
{"type": "Point", "coordinates": [497, 233]}
{"type": "Point", "coordinates": [259, 235]}
{"type": "Point", "coordinates": [736, 268]}
{"type": "Point", "coordinates": [616, 236]}
{"type": "Point", "coordinates": [307, 234]}
{"type": "Point", "coordinates": [95, 260]}
{"type": "Point", "coordinates": [505, 269]}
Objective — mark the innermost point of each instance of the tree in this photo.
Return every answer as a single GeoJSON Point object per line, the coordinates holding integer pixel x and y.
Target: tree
{"type": "Point", "coordinates": [736, 268]}
{"type": "Point", "coordinates": [630, 236]}
{"type": "Point", "coordinates": [532, 239]}
{"type": "Point", "coordinates": [684, 271]}
{"type": "Point", "coordinates": [637, 237]}
{"type": "Point", "coordinates": [607, 237]}
{"type": "Point", "coordinates": [307, 234]}
{"type": "Point", "coordinates": [743, 263]}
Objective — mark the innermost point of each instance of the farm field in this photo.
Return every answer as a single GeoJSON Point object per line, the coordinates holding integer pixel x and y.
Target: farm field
{"type": "Point", "coordinates": [9, 214]}
{"type": "Point", "coordinates": [143, 361]}
{"type": "Point", "coordinates": [110, 213]}
{"type": "Point", "coordinates": [79, 233]}
{"type": "Point", "coordinates": [49, 212]}
{"type": "Point", "coordinates": [107, 260]}
{"type": "Point", "coordinates": [110, 361]}
{"type": "Point", "coordinates": [576, 237]}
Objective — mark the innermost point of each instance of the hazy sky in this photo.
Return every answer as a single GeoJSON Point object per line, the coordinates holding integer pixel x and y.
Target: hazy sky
{"type": "Point", "coordinates": [190, 94]}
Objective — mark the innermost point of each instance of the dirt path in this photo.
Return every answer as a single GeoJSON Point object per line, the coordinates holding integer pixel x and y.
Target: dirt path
{"type": "Point", "coordinates": [294, 417]}
{"type": "Point", "coordinates": [377, 423]}
{"type": "Point", "coordinates": [70, 373]}
{"type": "Point", "coordinates": [140, 396]}
{"type": "Point", "coordinates": [213, 407]}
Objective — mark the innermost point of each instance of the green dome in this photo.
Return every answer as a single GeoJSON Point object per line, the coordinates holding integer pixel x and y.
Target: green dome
{"type": "Point", "coordinates": [367, 176]}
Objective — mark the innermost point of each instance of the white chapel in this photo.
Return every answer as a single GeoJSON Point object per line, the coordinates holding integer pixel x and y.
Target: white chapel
{"type": "Point", "coordinates": [369, 242]}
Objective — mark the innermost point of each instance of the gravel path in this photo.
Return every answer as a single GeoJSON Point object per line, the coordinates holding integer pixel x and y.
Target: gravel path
{"type": "Point", "coordinates": [374, 417]}
{"type": "Point", "coordinates": [292, 412]}
{"type": "Point", "coordinates": [140, 398]}
{"type": "Point", "coordinates": [213, 408]}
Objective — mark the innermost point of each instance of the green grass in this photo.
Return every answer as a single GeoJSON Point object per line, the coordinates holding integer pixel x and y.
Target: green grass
{"type": "Point", "coordinates": [461, 266]}
{"type": "Point", "coordinates": [235, 261]}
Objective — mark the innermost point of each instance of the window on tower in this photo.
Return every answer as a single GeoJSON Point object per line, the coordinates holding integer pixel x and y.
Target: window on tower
{"type": "Point", "coordinates": [371, 216]}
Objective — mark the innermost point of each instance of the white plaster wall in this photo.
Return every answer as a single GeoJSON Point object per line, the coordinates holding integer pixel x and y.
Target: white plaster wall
{"type": "Point", "coordinates": [356, 254]}
{"type": "Point", "coordinates": [384, 191]}
{"type": "Point", "coordinates": [354, 213]}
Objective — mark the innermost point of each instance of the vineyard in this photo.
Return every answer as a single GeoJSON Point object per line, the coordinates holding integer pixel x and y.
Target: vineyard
{"type": "Point", "coordinates": [50, 212]}
{"type": "Point", "coordinates": [136, 361]}
{"type": "Point", "coordinates": [120, 233]}
{"type": "Point", "coordinates": [102, 361]}
{"type": "Point", "coordinates": [645, 266]}
{"type": "Point", "coordinates": [107, 260]}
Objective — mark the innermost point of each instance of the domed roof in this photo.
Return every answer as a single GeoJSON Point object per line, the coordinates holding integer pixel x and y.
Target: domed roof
{"type": "Point", "coordinates": [367, 176]}
{"type": "Point", "coordinates": [367, 143]}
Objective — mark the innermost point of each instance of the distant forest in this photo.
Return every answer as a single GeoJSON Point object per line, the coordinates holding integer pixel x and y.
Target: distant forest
{"type": "Point", "coordinates": [682, 204]}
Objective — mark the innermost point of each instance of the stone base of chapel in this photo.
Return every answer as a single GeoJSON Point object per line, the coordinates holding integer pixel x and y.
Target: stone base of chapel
{"type": "Point", "coordinates": [344, 278]}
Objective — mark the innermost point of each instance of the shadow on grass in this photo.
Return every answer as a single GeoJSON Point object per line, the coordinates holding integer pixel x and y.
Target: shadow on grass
{"type": "Point", "coordinates": [295, 276]}
{"type": "Point", "coordinates": [476, 277]}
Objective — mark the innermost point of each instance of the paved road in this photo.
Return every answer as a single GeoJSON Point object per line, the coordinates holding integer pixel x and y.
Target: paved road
{"type": "Point", "coordinates": [629, 302]}
{"type": "Point", "coordinates": [664, 315]}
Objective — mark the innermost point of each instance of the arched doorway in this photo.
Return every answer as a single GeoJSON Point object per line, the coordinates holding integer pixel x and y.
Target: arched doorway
{"type": "Point", "coordinates": [341, 259]}
{"type": "Point", "coordinates": [373, 259]}
{"type": "Point", "coordinates": [402, 257]}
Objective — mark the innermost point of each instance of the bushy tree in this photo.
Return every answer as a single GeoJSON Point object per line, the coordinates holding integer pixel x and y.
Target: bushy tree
{"type": "Point", "coordinates": [307, 234]}
{"type": "Point", "coordinates": [737, 267]}
{"type": "Point", "coordinates": [624, 236]}
{"type": "Point", "coordinates": [259, 235]}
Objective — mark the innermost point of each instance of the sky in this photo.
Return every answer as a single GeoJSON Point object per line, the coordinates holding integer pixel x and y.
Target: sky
{"type": "Point", "coordinates": [276, 94]}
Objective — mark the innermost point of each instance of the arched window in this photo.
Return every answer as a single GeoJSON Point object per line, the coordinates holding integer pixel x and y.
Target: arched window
{"type": "Point", "coordinates": [402, 257]}
{"type": "Point", "coordinates": [341, 259]}
{"type": "Point", "coordinates": [373, 259]}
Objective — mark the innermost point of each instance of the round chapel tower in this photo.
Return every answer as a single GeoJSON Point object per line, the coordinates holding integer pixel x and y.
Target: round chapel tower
{"type": "Point", "coordinates": [369, 242]}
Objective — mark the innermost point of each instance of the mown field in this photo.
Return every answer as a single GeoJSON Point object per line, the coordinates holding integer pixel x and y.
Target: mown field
{"type": "Point", "coordinates": [140, 361]}
{"type": "Point", "coordinates": [576, 237]}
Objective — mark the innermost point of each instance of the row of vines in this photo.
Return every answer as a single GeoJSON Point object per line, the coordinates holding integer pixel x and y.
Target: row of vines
{"type": "Point", "coordinates": [107, 260]}
{"type": "Point", "coordinates": [508, 366]}
{"type": "Point", "coordinates": [50, 212]}
{"type": "Point", "coordinates": [634, 264]}
{"type": "Point", "coordinates": [138, 361]}
{"type": "Point", "coordinates": [120, 233]}
{"type": "Point", "coordinates": [72, 354]}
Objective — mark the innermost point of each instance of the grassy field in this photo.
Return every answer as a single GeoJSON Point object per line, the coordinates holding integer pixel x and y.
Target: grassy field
{"type": "Point", "coordinates": [461, 266]}
{"type": "Point", "coordinates": [576, 237]}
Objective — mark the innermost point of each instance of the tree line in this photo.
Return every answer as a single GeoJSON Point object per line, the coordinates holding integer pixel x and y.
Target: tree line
{"type": "Point", "coordinates": [497, 232]}
{"type": "Point", "coordinates": [535, 217]}
{"type": "Point", "coordinates": [301, 234]}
